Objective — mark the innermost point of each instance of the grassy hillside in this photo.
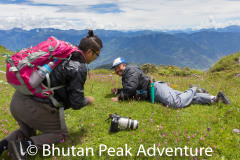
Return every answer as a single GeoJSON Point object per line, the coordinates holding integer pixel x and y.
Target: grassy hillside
{"type": "Point", "coordinates": [2, 59]}
{"type": "Point", "coordinates": [228, 66]}
{"type": "Point", "coordinates": [196, 126]}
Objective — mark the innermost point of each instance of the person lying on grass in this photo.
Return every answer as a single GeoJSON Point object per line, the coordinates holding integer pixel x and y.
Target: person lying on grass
{"type": "Point", "coordinates": [136, 86]}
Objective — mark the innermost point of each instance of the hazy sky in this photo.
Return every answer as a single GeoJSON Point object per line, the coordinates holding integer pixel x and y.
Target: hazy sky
{"type": "Point", "coordinates": [118, 14]}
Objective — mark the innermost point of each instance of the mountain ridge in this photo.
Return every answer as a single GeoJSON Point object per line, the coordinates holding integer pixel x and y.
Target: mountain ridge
{"type": "Point", "coordinates": [199, 50]}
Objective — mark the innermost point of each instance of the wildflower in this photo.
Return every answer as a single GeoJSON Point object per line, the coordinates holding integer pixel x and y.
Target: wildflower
{"type": "Point", "coordinates": [214, 147]}
{"type": "Point", "coordinates": [164, 135]}
{"type": "Point", "coordinates": [178, 139]}
{"type": "Point", "coordinates": [159, 144]}
{"type": "Point", "coordinates": [236, 130]}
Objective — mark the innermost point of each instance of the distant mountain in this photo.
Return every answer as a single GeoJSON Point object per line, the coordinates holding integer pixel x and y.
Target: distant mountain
{"type": "Point", "coordinates": [109, 66]}
{"type": "Point", "coordinates": [159, 49]}
{"type": "Point", "coordinates": [233, 29]}
{"type": "Point", "coordinates": [196, 50]}
{"type": "Point", "coordinates": [222, 43]}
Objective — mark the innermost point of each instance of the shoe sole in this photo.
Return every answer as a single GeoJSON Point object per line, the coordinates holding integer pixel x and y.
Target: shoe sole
{"type": "Point", "coordinates": [224, 98]}
{"type": "Point", "coordinates": [13, 151]}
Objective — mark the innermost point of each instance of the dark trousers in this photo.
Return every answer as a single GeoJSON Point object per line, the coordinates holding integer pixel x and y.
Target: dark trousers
{"type": "Point", "coordinates": [31, 116]}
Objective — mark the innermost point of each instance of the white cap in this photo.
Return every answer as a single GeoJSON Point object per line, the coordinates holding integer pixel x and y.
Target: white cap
{"type": "Point", "coordinates": [118, 61]}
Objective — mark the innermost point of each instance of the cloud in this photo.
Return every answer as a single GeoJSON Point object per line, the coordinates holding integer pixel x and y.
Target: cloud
{"type": "Point", "coordinates": [105, 8]}
{"type": "Point", "coordinates": [119, 14]}
{"type": "Point", "coordinates": [28, 22]}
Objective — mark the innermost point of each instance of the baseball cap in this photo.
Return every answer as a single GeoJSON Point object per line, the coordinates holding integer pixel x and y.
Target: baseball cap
{"type": "Point", "coordinates": [118, 61]}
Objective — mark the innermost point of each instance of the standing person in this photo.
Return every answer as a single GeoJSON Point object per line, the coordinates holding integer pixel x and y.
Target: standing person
{"type": "Point", "coordinates": [33, 113]}
{"type": "Point", "coordinates": [136, 85]}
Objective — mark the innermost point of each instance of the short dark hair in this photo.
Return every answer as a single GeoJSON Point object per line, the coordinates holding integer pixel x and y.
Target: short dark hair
{"type": "Point", "coordinates": [90, 41]}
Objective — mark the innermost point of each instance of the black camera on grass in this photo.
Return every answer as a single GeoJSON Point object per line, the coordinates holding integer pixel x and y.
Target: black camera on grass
{"type": "Point", "coordinates": [122, 122]}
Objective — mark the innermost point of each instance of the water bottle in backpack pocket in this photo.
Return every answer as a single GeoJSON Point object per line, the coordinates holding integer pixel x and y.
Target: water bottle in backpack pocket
{"type": "Point", "coordinates": [23, 64]}
{"type": "Point", "coordinates": [39, 75]}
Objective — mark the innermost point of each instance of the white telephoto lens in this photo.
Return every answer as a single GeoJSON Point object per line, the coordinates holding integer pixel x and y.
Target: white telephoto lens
{"type": "Point", "coordinates": [123, 123]}
{"type": "Point", "coordinates": [133, 124]}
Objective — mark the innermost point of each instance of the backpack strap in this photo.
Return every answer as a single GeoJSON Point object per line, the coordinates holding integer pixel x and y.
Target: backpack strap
{"type": "Point", "coordinates": [61, 111]}
{"type": "Point", "coordinates": [54, 101]}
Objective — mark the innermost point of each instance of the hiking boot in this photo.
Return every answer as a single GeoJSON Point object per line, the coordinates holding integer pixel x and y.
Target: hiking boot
{"type": "Point", "coordinates": [222, 97]}
{"type": "Point", "coordinates": [17, 150]}
{"type": "Point", "coordinates": [3, 146]}
{"type": "Point", "coordinates": [199, 89]}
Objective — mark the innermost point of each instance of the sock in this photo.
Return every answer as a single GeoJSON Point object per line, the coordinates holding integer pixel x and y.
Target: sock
{"type": "Point", "coordinates": [26, 143]}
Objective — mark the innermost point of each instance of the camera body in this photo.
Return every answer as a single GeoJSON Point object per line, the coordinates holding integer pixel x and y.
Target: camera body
{"type": "Point", "coordinates": [119, 122]}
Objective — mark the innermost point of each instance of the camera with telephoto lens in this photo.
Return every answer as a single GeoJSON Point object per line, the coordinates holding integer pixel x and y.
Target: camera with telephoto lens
{"type": "Point", "coordinates": [122, 122]}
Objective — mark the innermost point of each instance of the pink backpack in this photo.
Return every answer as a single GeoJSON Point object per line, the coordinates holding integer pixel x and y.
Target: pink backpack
{"type": "Point", "coordinates": [22, 64]}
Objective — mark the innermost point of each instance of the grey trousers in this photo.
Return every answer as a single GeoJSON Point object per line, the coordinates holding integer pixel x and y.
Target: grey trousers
{"type": "Point", "coordinates": [177, 99]}
{"type": "Point", "coordinates": [31, 116]}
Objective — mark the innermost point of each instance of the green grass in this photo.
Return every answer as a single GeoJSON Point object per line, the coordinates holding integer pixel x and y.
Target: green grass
{"type": "Point", "coordinates": [195, 126]}
{"type": "Point", "coordinates": [169, 70]}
